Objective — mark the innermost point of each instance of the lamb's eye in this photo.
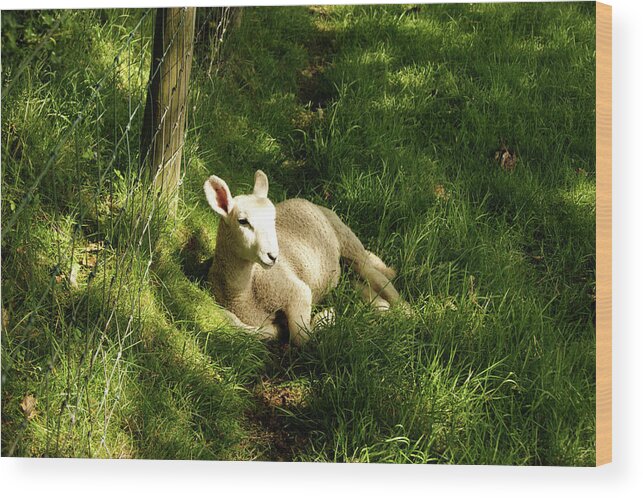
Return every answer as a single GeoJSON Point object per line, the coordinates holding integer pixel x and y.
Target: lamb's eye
{"type": "Point", "coordinates": [244, 221]}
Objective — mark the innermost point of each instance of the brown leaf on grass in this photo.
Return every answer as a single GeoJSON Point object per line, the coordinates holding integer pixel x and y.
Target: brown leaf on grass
{"type": "Point", "coordinates": [441, 193]}
{"type": "Point", "coordinates": [507, 158]}
{"type": "Point", "coordinates": [581, 172]}
{"type": "Point", "coordinates": [5, 318]}
{"type": "Point", "coordinates": [28, 406]}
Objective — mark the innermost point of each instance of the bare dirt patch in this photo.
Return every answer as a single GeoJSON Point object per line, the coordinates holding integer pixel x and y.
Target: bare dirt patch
{"type": "Point", "coordinates": [273, 429]}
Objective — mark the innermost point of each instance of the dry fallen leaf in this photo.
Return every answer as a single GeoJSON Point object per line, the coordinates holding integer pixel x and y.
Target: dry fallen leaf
{"type": "Point", "coordinates": [440, 192]}
{"type": "Point", "coordinates": [506, 158]}
{"type": "Point", "coordinates": [28, 406]}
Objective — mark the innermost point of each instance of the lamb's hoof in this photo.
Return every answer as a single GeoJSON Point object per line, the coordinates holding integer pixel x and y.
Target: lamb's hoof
{"type": "Point", "coordinates": [406, 309]}
{"type": "Point", "coordinates": [389, 272]}
{"type": "Point", "coordinates": [378, 303]}
{"type": "Point", "coordinates": [324, 318]}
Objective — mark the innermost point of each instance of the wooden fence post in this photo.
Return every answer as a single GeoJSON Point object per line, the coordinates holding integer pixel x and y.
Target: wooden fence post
{"type": "Point", "coordinates": [162, 135]}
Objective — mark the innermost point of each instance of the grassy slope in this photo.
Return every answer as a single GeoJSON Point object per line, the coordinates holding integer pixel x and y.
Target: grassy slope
{"type": "Point", "coordinates": [390, 116]}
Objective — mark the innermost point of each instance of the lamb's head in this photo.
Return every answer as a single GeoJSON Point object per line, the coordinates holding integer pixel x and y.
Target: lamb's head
{"type": "Point", "coordinates": [250, 219]}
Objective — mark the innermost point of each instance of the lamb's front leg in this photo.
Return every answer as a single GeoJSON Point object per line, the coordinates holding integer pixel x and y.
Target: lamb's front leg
{"type": "Point", "coordinates": [265, 331]}
{"type": "Point", "coordinates": [298, 311]}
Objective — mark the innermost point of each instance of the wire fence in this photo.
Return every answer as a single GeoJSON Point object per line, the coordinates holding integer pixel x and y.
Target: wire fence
{"type": "Point", "coordinates": [83, 209]}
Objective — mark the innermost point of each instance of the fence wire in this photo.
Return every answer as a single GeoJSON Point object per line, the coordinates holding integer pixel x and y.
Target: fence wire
{"type": "Point", "coordinates": [81, 217]}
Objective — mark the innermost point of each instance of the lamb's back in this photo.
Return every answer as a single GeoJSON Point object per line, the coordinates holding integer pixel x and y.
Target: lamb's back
{"type": "Point", "coordinates": [308, 244]}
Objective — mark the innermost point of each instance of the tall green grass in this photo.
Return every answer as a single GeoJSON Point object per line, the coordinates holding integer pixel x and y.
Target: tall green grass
{"type": "Point", "coordinates": [391, 116]}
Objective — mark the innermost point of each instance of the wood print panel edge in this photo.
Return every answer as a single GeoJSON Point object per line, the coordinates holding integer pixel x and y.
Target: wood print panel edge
{"type": "Point", "coordinates": [603, 233]}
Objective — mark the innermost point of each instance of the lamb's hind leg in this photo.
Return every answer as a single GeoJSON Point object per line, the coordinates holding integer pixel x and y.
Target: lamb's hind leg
{"type": "Point", "coordinates": [372, 298]}
{"type": "Point", "coordinates": [378, 284]}
{"type": "Point", "coordinates": [368, 265]}
{"type": "Point", "coordinates": [375, 260]}
{"type": "Point", "coordinates": [380, 303]}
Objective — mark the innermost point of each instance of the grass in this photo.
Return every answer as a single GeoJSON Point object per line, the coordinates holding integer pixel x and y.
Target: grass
{"type": "Point", "coordinates": [390, 115]}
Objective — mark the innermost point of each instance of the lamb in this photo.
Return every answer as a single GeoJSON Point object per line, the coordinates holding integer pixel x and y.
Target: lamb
{"type": "Point", "coordinates": [272, 261]}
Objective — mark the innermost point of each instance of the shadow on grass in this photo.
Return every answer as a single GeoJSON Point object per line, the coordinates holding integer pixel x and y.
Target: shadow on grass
{"type": "Point", "coordinates": [178, 403]}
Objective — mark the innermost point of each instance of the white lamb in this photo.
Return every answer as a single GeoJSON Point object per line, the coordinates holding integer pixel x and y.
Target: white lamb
{"type": "Point", "coordinates": [284, 259]}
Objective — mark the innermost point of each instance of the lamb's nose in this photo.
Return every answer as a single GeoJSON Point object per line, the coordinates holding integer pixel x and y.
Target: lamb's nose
{"type": "Point", "coordinates": [273, 257]}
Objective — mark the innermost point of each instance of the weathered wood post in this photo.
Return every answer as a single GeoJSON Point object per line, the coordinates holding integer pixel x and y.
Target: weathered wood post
{"type": "Point", "coordinates": [164, 119]}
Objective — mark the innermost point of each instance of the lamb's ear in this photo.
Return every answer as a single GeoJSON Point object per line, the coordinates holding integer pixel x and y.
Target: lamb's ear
{"type": "Point", "coordinates": [218, 195]}
{"type": "Point", "coordinates": [261, 184]}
